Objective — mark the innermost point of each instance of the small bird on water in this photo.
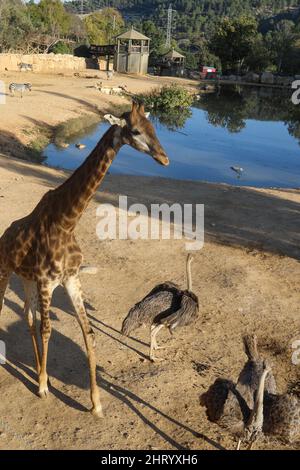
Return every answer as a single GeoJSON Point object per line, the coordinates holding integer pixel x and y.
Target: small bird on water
{"type": "Point", "coordinates": [166, 306]}
{"type": "Point", "coordinates": [80, 146]}
{"type": "Point", "coordinates": [238, 170]}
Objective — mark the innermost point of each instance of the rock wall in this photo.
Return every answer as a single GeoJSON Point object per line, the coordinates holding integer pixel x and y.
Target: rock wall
{"type": "Point", "coordinates": [43, 63]}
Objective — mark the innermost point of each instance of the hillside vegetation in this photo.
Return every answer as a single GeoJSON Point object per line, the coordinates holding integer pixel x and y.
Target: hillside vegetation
{"type": "Point", "coordinates": [194, 16]}
{"type": "Point", "coordinates": [233, 35]}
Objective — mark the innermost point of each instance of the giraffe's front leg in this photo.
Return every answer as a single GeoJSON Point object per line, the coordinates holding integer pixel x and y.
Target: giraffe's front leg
{"type": "Point", "coordinates": [30, 308]}
{"type": "Point", "coordinates": [73, 288]}
{"type": "Point", "coordinates": [45, 294]}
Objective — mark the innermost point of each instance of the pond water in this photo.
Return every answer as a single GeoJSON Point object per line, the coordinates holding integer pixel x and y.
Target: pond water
{"type": "Point", "coordinates": [255, 129]}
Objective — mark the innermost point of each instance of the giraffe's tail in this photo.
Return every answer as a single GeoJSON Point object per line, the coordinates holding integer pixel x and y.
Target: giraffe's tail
{"type": "Point", "coordinates": [88, 270]}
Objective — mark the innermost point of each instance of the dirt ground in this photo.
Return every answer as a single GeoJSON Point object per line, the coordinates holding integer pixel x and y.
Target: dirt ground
{"type": "Point", "coordinates": [56, 98]}
{"type": "Point", "coordinates": [247, 279]}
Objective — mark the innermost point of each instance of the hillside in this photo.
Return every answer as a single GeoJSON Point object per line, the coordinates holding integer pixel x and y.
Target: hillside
{"type": "Point", "coordinates": [193, 16]}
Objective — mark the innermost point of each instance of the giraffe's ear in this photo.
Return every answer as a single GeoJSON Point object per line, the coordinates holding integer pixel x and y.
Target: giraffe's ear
{"type": "Point", "coordinates": [142, 108]}
{"type": "Point", "coordinates": [114, 120]}
{"type": "Point", "coordinates": [135, 107]}
{"type": "Point", "coordinates": [147, 114]}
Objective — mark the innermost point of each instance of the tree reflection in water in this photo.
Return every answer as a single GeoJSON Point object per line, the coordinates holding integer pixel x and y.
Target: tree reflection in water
{"type": "Point", "coordinates": [231, 107]}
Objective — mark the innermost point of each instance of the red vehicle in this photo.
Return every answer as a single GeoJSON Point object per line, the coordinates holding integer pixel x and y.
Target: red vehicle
{"type": "Point", "coordinates": [208, 73]}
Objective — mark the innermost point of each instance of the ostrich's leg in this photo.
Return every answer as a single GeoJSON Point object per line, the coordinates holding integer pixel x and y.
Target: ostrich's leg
{"type": "Point", "coordinates": [73, 288]}
{"type": "Point", "coordinates": [250, 445]}
{"type": "Point", "coordinates": [153, 344]}
{"type": "Point", "coordinates": [238, 447]}
{"type": "Point", "coordinates": [30, 308]}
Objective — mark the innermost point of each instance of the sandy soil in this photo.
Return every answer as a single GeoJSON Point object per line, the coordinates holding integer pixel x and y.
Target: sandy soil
{"type": "Point", "coordinates": [57, 98]}
{"type": "Point", "coordinates": [247, 278]}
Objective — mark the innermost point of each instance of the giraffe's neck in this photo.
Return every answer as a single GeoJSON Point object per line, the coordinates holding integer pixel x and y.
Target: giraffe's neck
{"type": "Point", "coordinates": [73, 196]}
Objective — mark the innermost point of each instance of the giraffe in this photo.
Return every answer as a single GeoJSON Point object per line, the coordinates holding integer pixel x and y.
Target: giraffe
{"type": "Point", "coordinates": [42, 249]}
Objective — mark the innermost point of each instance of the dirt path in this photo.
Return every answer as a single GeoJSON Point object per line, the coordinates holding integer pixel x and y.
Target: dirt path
{"type": "Point", "coordinates": [247, 278]}
{"type": "Point", "coordinates": [55, 99]}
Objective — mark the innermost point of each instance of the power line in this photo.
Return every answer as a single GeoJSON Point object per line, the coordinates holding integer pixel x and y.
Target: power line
{"type": "Point", "coordinates": [169, 26]}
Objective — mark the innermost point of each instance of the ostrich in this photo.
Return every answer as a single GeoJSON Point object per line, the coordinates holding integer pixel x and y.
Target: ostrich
{"type": "Point", "coordinates": [281, 413]}
{"type": "Point", "coordinates": [166, 306]}
{"type": "Point", "coordinates": [239, 408]}
{"type": "Point", "coordinates": [234, 406]}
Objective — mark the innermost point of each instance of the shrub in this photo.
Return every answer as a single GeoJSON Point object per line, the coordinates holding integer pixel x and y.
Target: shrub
{"type": "Point", "coordinates": [61, 48]}
{"type": "Point", "coordinates": [168, 97]}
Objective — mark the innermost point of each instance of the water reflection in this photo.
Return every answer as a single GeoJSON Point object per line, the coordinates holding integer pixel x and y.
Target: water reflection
{"type": "Point", "coordinates": [231, 107]}
{"type": "Point", "coordinates": [173, 119]}
{"type": "Point", "coordinates": [256, 130]}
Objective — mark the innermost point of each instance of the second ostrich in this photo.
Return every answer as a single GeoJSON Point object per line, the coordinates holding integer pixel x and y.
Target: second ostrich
{"type": "Point", "coordinates": [252, 407]}
{"type": "Point", "coordinates": [166, 306]}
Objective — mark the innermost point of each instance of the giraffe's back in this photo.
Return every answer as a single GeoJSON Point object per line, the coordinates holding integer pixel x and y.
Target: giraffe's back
{"type": "Point", "coordinates": [35, 246]}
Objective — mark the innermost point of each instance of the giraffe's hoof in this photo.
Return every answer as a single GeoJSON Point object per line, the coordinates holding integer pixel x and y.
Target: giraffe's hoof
{"type": "Point", "coordinates": [97, 412]}
{"type": "Point", "coordinates": [43, 392]}
{"type": "Point", "coordinates": [156, 359]}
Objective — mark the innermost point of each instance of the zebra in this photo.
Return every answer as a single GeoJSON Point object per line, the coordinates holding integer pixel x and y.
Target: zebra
{"type": "Point", "coordinates": [21, 87]}
{"type": "Point", "coordinates": [24, 67]}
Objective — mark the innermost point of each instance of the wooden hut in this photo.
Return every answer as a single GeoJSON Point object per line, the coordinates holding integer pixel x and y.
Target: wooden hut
{"type": "Point", "coordinates": [173, 63]}
{"type": "Point", "coordinates": [132, 53]}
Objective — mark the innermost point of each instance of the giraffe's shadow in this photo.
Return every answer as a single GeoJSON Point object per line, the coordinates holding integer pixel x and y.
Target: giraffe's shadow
{"type": "Point", "coordinates": [67, 362]}
{"type": "Point", "coordinates": [65, 357]}
{"type": "Point", "coordinates": [61, 301]}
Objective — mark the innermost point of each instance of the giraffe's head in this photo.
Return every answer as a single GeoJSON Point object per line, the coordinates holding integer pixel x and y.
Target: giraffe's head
{"type": "Point", "coordinates": [139, 133]}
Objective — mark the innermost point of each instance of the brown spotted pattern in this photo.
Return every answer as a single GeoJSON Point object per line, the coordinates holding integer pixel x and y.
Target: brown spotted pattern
{"type": "Point", "coordinates": [42, 249]}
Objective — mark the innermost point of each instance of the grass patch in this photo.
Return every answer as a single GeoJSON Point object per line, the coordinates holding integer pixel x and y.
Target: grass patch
{"type": "Point", "coordinates": [67, 132]}
{"type": "Point", "coordinates": [39, 138]}
{"type": "Point", "coordinates": [74, 128]}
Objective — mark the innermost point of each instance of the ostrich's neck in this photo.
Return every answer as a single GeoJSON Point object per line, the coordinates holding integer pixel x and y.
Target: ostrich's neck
{"type": "Point", "coordinates": [73, 196]}
{"type": "Point", "coordinates": [257, 416]}
{"type": "Point", "coordinates": [189, 276]}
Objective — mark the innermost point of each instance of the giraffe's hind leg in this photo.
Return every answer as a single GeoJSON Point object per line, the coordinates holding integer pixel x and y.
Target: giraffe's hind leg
{"type": "Point", "coordinates": [30, 308]}
{"type": "Point", "coordinates": [73, 287]}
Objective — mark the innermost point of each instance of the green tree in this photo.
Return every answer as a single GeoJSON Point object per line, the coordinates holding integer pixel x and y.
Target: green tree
{"type": "Point", "coordinates": [157, 37]}
{"type": "Point", "coordinates": [50, 17]}
{"type": "Point", "coordinates": [205, 56]}
{"type": "Point", "coordinates": [281, 41]}
{"type": "Point", "coordinates": [259, 58]}
{"type": "Point", "coordinates": [102, 26]}
{"type": "Point", "coordinates": [233, 40]}
{"type": "Point", "coordinates": [15, 25]}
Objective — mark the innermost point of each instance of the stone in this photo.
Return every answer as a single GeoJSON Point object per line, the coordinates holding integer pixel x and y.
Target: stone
{"type": "Point", "coordinates": [251, 77]}
{"type": "Point", "coordinates": [267, 78]}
